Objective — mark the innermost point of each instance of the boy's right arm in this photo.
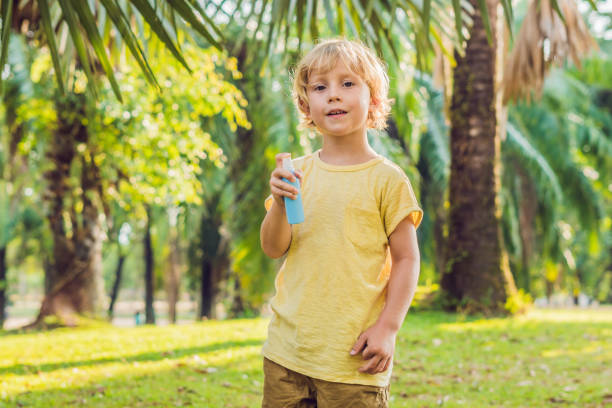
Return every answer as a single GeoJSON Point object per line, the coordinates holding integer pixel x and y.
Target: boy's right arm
{"type": "Point", "coordinates": [275, 233]}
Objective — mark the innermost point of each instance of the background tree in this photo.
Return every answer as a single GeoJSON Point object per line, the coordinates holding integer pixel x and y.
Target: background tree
{"type": "Point", "coordinates": [158, 165]}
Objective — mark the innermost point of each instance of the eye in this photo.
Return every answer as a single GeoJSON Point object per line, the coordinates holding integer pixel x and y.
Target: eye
{"type": "Point", "coordinates": [348, 84]}
{"type": "Point", "coordinates": [319, 87]}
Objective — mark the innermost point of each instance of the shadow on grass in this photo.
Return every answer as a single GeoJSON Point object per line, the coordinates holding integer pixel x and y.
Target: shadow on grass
{"type": "Point", "coordinates": [237, 383]}
{"type": "Point", "coordinates": [481, 365]}
{"type": "Point", "coordinates": [417, 381]}
{"type": "Point", "coordinates": [20, 369]}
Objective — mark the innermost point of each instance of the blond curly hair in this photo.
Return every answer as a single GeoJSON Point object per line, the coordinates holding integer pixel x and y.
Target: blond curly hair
{"type": "Point", "coordinates": [359, 59]}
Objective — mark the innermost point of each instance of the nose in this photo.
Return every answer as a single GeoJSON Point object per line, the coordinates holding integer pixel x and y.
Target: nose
{"type": "Point", "coordinates": [334, 95]}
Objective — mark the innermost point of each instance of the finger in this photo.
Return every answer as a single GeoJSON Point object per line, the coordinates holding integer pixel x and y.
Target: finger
{"type": "Point", "coordinates": [368, 353]}
{"type": "Point", "coordinates": [281, 185]}
{"type": "Point", "coordinates": [387, 364]}
{"type": "Point", "coordinates": [279, 158]}
{"type": "Point", "coordinates": [361, 342]}
{"type": "Point", "coordinates": [370, 366]}
{"type": "Point", "coordinates": [283, 193]}
{"type": "Point", "coordinates": [381, 366]}
{"type": "Point", "coordinates": [283, 173]}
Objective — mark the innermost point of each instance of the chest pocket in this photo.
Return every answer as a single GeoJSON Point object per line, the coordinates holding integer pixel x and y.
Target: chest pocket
{"type": "Point", "coordinates": [363, 228]}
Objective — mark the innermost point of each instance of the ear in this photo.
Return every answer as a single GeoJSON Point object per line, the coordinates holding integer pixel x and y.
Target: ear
{"type": "Point", "coordinates": [304, 107]}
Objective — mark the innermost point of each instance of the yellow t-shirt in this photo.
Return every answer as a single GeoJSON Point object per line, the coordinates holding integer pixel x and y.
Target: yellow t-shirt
{"type": "Point", "coordinates": [332, 284]}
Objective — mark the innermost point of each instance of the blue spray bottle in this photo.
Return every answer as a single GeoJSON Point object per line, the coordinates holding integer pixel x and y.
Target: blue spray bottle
{"type": "Point", "coordinates": [293, 208]}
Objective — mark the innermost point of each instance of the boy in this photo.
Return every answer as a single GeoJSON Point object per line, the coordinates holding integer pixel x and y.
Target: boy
{"type": "Point", "coordinates": [352, 266]}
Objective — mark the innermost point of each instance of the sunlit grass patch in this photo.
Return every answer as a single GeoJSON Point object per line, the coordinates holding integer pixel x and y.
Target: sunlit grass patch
{"type": "Point", "coordinates": [546, 358]}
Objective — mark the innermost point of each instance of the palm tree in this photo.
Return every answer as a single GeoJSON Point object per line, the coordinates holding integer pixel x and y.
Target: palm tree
{"type": "Point", "coordinates": [478, 276]}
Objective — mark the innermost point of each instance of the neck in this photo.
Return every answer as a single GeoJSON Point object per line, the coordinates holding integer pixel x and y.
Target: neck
{"type": "Point", "coordinates": [346, 151]}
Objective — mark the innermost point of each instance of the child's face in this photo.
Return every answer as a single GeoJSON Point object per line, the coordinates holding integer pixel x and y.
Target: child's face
{"type": "Point", "coordinates": [339, 90]}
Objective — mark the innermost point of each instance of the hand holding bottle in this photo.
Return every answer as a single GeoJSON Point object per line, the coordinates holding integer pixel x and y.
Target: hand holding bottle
{"type": "Point", "coordinates": [280, 188]}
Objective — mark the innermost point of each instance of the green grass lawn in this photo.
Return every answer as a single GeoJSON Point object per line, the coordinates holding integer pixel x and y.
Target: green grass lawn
{"type": "Point", "coordinates": [548, 358]}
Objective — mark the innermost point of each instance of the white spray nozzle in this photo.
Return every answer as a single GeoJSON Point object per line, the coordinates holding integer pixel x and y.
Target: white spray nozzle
{"type": "Point", "coordinates": [288, 163]}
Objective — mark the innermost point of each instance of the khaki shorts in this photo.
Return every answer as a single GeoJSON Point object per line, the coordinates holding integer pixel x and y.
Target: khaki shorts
{"type": "Point", "coordinates": [284, 388]}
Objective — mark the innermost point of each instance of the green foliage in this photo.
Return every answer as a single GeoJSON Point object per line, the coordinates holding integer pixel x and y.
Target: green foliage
{"type": "Point", "coordinates": [519, 302]}
{"type": "Point", "coordinates": [558, 145]}
{"type": "Point", "coordinates": [8, 221]}
{"type": "Point", "coordinates": [242, 185]}
{"type": "Point", "coordinates": [15, 183]}
{"type": "Point", "coordinates": [151, 146]}
{"type": "Point", "coordinates": [91, 25]}
{"type": "Point", "coordinates": [151, 150]}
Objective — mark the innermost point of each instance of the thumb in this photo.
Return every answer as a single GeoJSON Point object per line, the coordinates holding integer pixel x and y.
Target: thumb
{"type": "Point", "coordinates": [361, 341]}
{"type": "Point", "coordinates": [279, 158]}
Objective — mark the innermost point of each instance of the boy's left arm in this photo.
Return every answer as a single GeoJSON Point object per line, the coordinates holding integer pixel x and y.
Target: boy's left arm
{"type": "Point", "coordinates": [378, 341]}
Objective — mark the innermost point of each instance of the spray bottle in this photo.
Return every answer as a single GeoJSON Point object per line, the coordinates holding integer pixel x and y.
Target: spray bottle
{"type": "Point", "coordinates": [293, 208]}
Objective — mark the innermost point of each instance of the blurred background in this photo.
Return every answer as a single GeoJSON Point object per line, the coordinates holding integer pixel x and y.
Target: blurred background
{"type": "Point", "coordinates": [137, 140]}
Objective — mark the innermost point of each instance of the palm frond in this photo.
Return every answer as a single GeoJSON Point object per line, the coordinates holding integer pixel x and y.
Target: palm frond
{"type": "Point", "coordinates": [552, 31]}
{"type": "Point", "coordinates": [373, 21]}
{"type": "Point", "coordinates": [534, 162]}
{"type": "Point", "coordinates": [92, 44]}
{"type": "Point", "coordinates": [49, 32]}
{"type": "Point", "coordinates": [585, 200]}
{"type": "Point", "coordinates": [435, 141]}
{"type": "Point", "coordinates": [88, 23]}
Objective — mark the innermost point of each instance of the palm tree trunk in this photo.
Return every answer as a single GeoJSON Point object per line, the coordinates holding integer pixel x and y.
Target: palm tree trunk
{"type": "Point", "coordinates": [149, 284]}
{"type": "Point", "coordinates": [74, 286]}
{"type": "Point", "coordinates": [479, 279]}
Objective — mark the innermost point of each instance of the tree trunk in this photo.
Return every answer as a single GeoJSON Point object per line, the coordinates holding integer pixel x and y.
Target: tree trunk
{"type": "Point", "coordinates": [3, 286]}
{"type": "Point", "coordinates": [89, 236]}
{"type": "Point", "coordinates": [74, 286]}
{"type": "Point", "coordinates": [206, 297]}
{"type": "Point", "coordinates": [528, 206]}
{"type": "Point", "coordinates": [116, 284]}
{"type": "Point", "coordinates": [237, 302]}
{"type": "Point", "coordinates": [173, 275]}
{"type": "Point", "coordinates": [214, 273]}
{"type": "Point", "coordinates": [215, 259]}
{"type": "Point", "coordinates": [149, 287]}
{"type": "Point", "coordinates": [478, 277]}
{"type": "Point", "coordinates": [549, 290]}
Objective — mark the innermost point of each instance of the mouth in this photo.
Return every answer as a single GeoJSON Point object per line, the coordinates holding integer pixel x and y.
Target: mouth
{"type": "Point", "coordinates": [336, 112]}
